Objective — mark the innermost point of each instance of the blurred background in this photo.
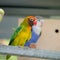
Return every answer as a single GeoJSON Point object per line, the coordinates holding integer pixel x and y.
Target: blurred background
{"type": "Point", "coordinates": [16, 10]}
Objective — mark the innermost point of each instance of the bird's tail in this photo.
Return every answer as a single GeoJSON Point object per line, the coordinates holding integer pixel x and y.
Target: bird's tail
{"type": "Point", "coordinates": [8, 56]}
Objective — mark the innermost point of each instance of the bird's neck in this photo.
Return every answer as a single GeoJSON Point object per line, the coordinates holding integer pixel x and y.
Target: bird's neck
{"type": "Point", "coordinates": [28, 26]}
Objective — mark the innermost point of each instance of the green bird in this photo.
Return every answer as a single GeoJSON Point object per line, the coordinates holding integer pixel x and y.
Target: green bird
{"type": "Point", "coordinates": [23, 33]}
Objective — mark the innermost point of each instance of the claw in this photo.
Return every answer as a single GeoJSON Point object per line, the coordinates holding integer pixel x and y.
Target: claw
{"type": "Point", "coordinates": [20, 46]}
{"type": "Point", "coordinates": [32, 45]}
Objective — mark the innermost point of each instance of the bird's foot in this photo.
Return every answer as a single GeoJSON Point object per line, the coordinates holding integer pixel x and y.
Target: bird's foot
{"type": "Point", "coordinates": [20, 46]}
{"type": "Point", "coordinates": [32, 45]}
{"type": "Point", "coordinates": [25, 47]}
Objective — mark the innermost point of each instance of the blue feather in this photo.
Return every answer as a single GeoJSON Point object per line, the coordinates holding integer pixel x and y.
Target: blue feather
{"type": "Point", "coordinates": [33, 39]}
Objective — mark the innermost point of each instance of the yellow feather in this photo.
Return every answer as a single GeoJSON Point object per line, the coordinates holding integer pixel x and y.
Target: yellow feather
{"type": "Point", "coordinates": [22, 37]}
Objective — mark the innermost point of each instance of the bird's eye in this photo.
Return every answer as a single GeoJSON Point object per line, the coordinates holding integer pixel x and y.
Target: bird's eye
{"type": "Point", "coordinates": [31, 20]}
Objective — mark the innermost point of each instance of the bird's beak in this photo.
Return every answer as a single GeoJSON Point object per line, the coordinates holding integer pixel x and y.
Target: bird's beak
{"type": "Point", "coordinates": [35, 22]}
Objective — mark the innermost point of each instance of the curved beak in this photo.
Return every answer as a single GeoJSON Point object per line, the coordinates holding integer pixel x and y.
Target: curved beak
{"type": "Point", "coordinates": [35, 22]}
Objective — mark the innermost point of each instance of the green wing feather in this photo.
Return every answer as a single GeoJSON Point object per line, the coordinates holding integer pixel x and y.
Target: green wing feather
{"type": "Point", "coordinates": [13, 37]}
{"type": "Point", "coordinates": [15, 34]}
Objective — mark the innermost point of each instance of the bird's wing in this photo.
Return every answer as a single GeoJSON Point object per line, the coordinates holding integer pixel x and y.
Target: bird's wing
{"type": "Point", "coordinates": [30, 35]}
{"type": "Point", "coordinates": [19, 29]}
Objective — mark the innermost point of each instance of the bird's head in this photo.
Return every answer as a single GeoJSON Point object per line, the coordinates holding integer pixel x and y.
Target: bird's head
{"type": "Point", "coordinates": [32, 20]}
{"type": "Point", "coordinates": [40, 21]}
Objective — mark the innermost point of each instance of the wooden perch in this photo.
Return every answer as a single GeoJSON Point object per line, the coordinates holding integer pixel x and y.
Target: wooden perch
{"type": "Point", "coordinates": [28, 52]}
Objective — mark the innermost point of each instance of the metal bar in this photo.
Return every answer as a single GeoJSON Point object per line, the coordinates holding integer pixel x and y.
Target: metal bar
{"type": "Point", "coordinates": [31, 11]}
{"type": "Point", "coordinates": [28, 52]}
{"type": "Point", "coordinates": [34, 3]}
